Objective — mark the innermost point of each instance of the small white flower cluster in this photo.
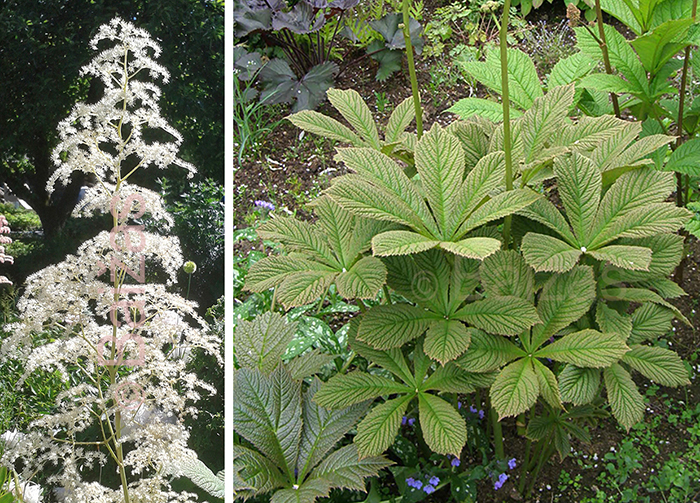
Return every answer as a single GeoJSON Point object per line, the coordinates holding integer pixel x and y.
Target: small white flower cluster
{"type": "Point", "coordinates": [5, 229]}
{"type": "Point", "coordinates": [100, 309]}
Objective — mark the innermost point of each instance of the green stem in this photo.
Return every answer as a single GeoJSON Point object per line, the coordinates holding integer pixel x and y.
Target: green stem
{"type": "Point", "coordinates": [545, 453]}
{"type": "Point", "coordinates": [606, 57]}
{"type": "Point", "coordinates": [503, 40]}
{"type": "Point", "coordinates": [497, 429]}
{"type": "Point", "coordinates": [189, 281]}
{"type": "Point", "coordinates": [412, 69]}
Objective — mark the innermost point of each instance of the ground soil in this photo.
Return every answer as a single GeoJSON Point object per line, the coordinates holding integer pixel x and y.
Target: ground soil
{"type": "Point", "coordinates": [287, 169]}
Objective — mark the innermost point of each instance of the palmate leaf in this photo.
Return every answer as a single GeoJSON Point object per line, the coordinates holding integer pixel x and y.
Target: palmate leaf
{"type": "Point", "coordinates": [392, 360]}
{"type": "Point", "coordinates": [445, 340]}
{"type": "Point", "coordinates": [308, 364]}
{"type": "Point", "coordinates": [468, 107]}
{"type": "Point", "coordinates": [686, 158]}
{"type": "Point", "coordinates": [547, 253]}
{"type": "Point", "coordinates": [271, 271]}
{"type": "Point", "coordinates": [377, 431]}
{"type": "Point", "coordinates": [612, 321]}
{"type": "Point", "coordinates": [641, 295]}
{"type": "Point", "coordinates": [267, 413]}
{"type": "Point", "coordinates": [564, 299]}
{"type": "Point", "coordinates": [579, 183]}
{"type": "Point", "coordinates": [649, 322]}
{"type": "Point", "coordinates": [587, 348]}
{"type": "Point", "coordinates": [322, 429]}
{"type": "Point", "coordinates": [544, 119]}
{"type": "Point", "coordinates": [344, 470]}
{"type": "Point", "coordinates": [657, 47]}
{"type": "Point", "coordinates": [544, 212]}
{"type": "Point", "coordinates": [549, 387]}
{"type": "Point", "coordinates": [260, 343]}
{"type": "Point", "coordinates": [505, 315]}
{"type": "Point", "coordinates": [636, 258]}
{"type": "Point", "coordinates": [515, 389]}
{"type": "Point", "coordinates": [610, 84]}
{"type": "Point", "coordinates": [579, 385]}
{"type": "Point", "coordinates": [344, 390]}
{"type": "Point", "coordinates": [475, 248]}
{"type": "Point", "coordinates": [589, 132]}
{"type": "Point", "coordinates": [626, 402]}
{"type": "Point", "coordinates": [667, 250]}
{"type": "Point", "coordinates": [614, 144]}
{"type": "Point", "coordinates": [487, 353]}
{"type": "Point", "coordinates": [570, 69]}
{"type": "Point", "coordinates": [401, 243]}
{"type": "Point", "coordinates": [399, 120]}
{"type": "Point", "coordinates": [497, 207]}
{"type": "Point", "coordinates": [308, 492]}
{"type": "Point", "coordinates": [324, 126]}
{"type": "Point", "coordinates": [258, 473]}
{"type": "Point", "coordinates": [443, 428]}
{"type": "Point", "coordinates": [658, 364]}
{"type": "Point", "coordinates": [449, 378]}
{"type": "Point", "coordinates": [487, 175]}
{"type": "Point", "coordinates": [385, 327]}
{"type": "Point", "coordinates": [506, 273]}
{"type": "Point", "coordinates": [474, 139]}
{"type": "Point", "coordinates": [363, 280]}
{"type": "Point", "coordinates": [299, 236]}
{"type": "Point", "coordinates": [303, 288]}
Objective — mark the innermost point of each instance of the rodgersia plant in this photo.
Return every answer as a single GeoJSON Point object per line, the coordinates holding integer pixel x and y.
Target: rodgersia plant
{"type": "Point", "coordinates": [117, 331]}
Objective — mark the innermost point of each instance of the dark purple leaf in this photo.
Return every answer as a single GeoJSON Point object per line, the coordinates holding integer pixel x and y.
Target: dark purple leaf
{"type": "Point", "coordinates": [388, 27]}
{"type": "Point", "coordinates": [302, 19]}
{"type": "Point", "coordinates": [282, 86]}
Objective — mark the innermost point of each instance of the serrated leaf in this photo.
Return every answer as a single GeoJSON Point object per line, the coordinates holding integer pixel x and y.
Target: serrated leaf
{"type": "Point", "coordinates": [445, 340]}
{"type": "Point", "coordinates": [564, 299]}
{"type": "Point", "coordinates": [299, 236]}
{"type": "Point", "coordinates": [444, 429]}
{"type": "Point", "coordinates": [308, 492]}
{"type": "Point", "coordinates": [363, 280]}
{"type": "Point", "coordinates": [542, 121]}
{"type": "Point", "coordinates": [267, 413]}
{"type": "Point", "coordinates": [686, 158]}
{"type": "Point", "coordinates": [547, 214]}
{"type": "Point", "coordinates": [271, 271]}
{"type": "Point", "coordinates": [401, 243]}
{"type": "Point", "coordinates": [506, 273]}
{"type": "Point", "coordinates": [474, 140]}
{"type": "Point", "coordinates": [344, 470]}
{"type": "Point", "coordinates": [450, 379]}
{"type": "Point", "coordinates": [391, 326]}
{"type": "Point", "coordinates": [308, 364]}
{"type": "Point", "coordinates": [579, 183]}
{"type": "Point", "coordinates": [667, 250]}
{"type": "Point", "coordinates": [487, 353]}
{"type": "Point", "coordinates": [665, 41]}
{"type": "Point", "coordinates": [322, 429]}
{"type": "Point", "coordinates": [570, 69]}
{"type": "Point", "coordinates": [609, 320]}
{"type": "Point", "coordinates": [353, 108]}
{"type": "Point", "coordinates": [579, 385]}
{"type": "Point", "coordinates": [302, 288]}
{"type": "Point", "coordinates": [257, 472]}
{"type": "Point", "coordinates": [506, 315]}
{"type": "Point", "coordinates": [649, 322]}
{"type": "Point", "coordinates": [344, 390]}
{"type": "Point", "coordinates": [468, 107]}
{"type": "Point", "coordinates": [587, 348]}
{"type": "Point", "coordinates": [324, 126]}
{"type": "Point", "coordinates": [399, 120]}
{"type": "Point", "coordinates": [377, 431]}
{"type": "Point", "coordinates": [610, 84]}
{"type": "Point", "coordinates": [641, 295]}
{"type": "Point", "coordinates": [515, 389]}
{"type": "Point", "coordinates": [635, 258]}
{"type": "Point", "coordinates": [658, 364]}
{"type": "Point", "coordinates": [497, 207]}
{"type": "Point", "coordinates": [390, 359]}
{"type": "Point", "coordinates": [260, 343]}
{"type": "Point", "coordinates": [476, 248]}
{"type": "Point", "coordinates": [549, 388]}
{"type": "Point", "coordinates": [626, 402]}
{"type": "Point", "coordinates": [547, 253]}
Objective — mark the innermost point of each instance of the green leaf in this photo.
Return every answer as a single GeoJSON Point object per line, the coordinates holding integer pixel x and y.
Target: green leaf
{"type": "Point", "coordinates": [299, 236]}
{"type": "Point", "coordinates": [547, 214]}
{"type": "Point", "coordinates": [626, 402]}
{"type": "Point", "coordinates": [587, 348]}
{"type": "Point", "coordinates": [303, 288]}
{"type": "Point", "coordinates": [506, 315]}
{"type": "Point", "coordinates": [623, 12]}
{"type": "Point", "coordinates": [487, 353]}
{"type": "Point", "coordinates": [271, 271]}
{"type": "Point", "coordinates": [308, 364]}
{"type": "Point", "coordinates": [564, 299]}
{"type": "Point", "coordinates": [476, 248]}
{"type": "Point", "coordinates": [440, 163]}
{"type": "Point", "coordinates": [506, 273]}
{"type": "Point", "coordinates": [450, 379]}
{"type": "Point", "coordinates": [353, 108]}
{"type": "Point", "coordinates": [546, 253]}
{"type": "Point", "coordinates": [579, 184]}
{"type": "Point", "coordinates": [657, 47]}
{"type": "Point", "coordinates": [658, 364]}
{"type": "Point", "coordinates": [549, 388]}
{"type": "Point", "coordinates": [641, 295]}
{"type": "Point", "coordinates": [324, 126]}
{"type": "Point", "coordinates": [390, 359]}
{"type": "Point", "coordinates": [444, 429]}
{"type": "Point", "coordinates": [391, 326]}
{"type": "Point", "coordinates": [570, 69]}
{"type": "Point", "coordinates": [609, 84]}
{"type": "Point", "coordinates": [515, 389]}
{"type": "Point", "coordinates": [611, 321]}
{"type": "Point", "coordinates": [544, 119]}
{"type": "Point", "coordinates": [649, 322]}
{"type": "Point", "coordinates": [267, 413]}
{"type": "Point", "coordinates": [686, 158]}
{"type": "Point", "coordinates": [401, 243]}
{"type": "Point", "coordinates": [364, 279]}
{"type": "Point", "coordinates": [322, 429]}
{"type": "Point", "coordinates": [344, 469]}
{"type": "Point", "coordinates": [308, 492]}
{"type": "Point", "coordinates": [446, 340]}
{"type": "Point", "coordinates": [377, 431]}
{"type": "Point", "coordinates": [343, 390]}
{"type": "Point", "coordinates": [259, 473]}
{"type": "Point", "coordinates": [497, 207]}
{"type": "Point", "coordinates": [473, 135]}
{"type": "Point", "coordinates": [468, 107]}
{"type": "Point", "coordinates": [399, 120]}
{"type": "Point", "coordinates": [579, 385]}
{"type": "Point", "coordinates": [635, 258]}
{"type": "Point", "coordinates": [260, 343]}
{"type": "Point", "coordinates": [589, 132]}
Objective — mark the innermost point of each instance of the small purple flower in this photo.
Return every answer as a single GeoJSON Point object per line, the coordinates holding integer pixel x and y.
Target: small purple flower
{"type": "Point", "coordinates": [265, 205]}
{"type": "Point", "coordinates": [417, 484]}
{"type": "Point", "coordinates": [481, 414]}
{"type": "Point", "coordinates": [403, 421]}
{"type": "Point", "coordinates": [459, 405]}
{"type": "Point", "coordinates": [455, 462]}
{"type": "Point", "coordinates": [410, 481]}
{"type": "Point", "coordinates": [472, 409]}
{"type": "Point", "coordinates": [410, 423]}
{"type": "Point", "coordinates": [501, 480]}
{"type": "Point", "coordinates": [512, 464]}
{"type": "Point", "coordinates": [434, 481]}
{"type": "Point", "coordinates": [429, 489]}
